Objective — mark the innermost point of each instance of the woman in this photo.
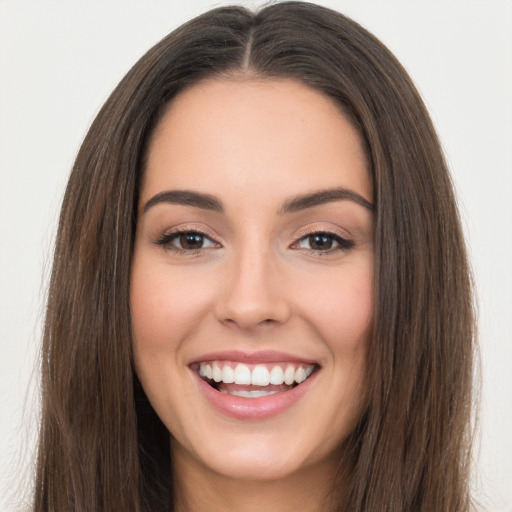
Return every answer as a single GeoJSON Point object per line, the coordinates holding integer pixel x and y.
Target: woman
{"type": "Point", "coordinates": [260, 294]}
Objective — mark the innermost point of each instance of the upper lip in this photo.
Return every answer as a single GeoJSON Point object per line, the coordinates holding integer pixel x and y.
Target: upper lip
{"type": "Point", "coordinates": [266, 356]}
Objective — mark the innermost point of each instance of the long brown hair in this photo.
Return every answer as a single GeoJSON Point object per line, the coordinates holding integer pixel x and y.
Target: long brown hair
{"type": "Point", "coordinates": [102, 447]}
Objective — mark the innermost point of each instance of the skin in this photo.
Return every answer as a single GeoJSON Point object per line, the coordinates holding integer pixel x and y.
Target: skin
{"type": "Point", "coordinates": [256, 284]}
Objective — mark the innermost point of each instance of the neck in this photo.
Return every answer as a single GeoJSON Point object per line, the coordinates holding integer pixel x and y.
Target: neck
{"type": "Point", "coordinates": [199, 488]}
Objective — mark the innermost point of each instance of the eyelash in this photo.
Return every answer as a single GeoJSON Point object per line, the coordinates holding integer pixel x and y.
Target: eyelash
{"type": "Point", "coordinates": [166, 241]}
{"type": "Point", "coordinates": [343, 244]}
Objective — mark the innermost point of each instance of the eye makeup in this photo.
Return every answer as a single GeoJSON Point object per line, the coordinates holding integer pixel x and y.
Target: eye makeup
{"type": "Point", "coordinates": [192, 241]}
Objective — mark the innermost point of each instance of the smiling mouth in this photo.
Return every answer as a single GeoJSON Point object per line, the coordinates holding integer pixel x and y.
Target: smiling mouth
{"type": "Point", "coordinates": [253, 381]}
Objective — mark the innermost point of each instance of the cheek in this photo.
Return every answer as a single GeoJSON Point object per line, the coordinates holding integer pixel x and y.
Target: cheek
{"type": "Point", "coordinates": [342, 308]}
{"type": "Point", "coordinates": [165, 306]}
{"type": "Point", "coordinates": [165, 310]}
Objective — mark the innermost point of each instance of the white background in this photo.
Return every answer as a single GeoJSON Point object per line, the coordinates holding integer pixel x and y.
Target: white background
{"type": "Point", "coordinates": [60, 60]}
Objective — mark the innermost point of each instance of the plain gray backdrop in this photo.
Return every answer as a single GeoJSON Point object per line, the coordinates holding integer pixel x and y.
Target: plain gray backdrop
{"type": "Point", "coordinates": [59, 60]}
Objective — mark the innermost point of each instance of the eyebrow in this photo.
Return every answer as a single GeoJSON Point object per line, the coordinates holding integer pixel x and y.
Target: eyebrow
{"type": "Point", "coordinates": [302, 202]}
{"type": "Point", "coordinates": [185, 198]}
{"type": "Point", "coordinates": [322, 197]}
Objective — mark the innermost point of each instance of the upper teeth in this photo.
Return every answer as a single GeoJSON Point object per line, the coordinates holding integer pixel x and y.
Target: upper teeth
{"type": "Point", "coordinates": [260, 375]}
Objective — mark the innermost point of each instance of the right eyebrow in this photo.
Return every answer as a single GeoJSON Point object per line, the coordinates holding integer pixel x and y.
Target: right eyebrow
{"type": "Point", "coordinates": [185, 198]}
{"type": "Point", "coordinates": [324, 196]}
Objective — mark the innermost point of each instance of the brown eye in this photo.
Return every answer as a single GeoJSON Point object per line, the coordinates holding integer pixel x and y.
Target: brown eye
{"type": "Point", "coordinates": [185, 241]}
{"type": "Point", "coordinates": [322, 242]}
{"type": "Point", "coordinates": [191, 241]}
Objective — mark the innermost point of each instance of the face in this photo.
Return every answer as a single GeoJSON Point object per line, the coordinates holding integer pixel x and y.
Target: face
{"type": "Point", "coordinates": [252, 277]}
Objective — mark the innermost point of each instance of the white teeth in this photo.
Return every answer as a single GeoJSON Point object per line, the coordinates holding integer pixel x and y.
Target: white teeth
{"type": "Point", "coordinates": [260, 375]}
{"type": "Point", "coordinates": [276, 376]}
{"type": "Point", "coordinates": [251, 394]}
{"type": "Point", "coordinates": [228, 374]}
{"type": "Point", "coordinates": [216, 372]}
{"type": "Point", "coordinates": [242, 374]}
{"type": "Point", "coordinates": [300, 375]}
{"type": "Point", "coordinates": [289, 375]}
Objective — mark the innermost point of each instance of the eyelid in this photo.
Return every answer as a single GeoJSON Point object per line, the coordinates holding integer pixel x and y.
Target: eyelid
{"type": "Point", "coordinates": [189, 228]}
{"type": "Point", "coordinates": [344, 242]}
{"type": "Point", "coordinates": [322, 228]}
{"type": "Point", "coordinates": [164, 240]}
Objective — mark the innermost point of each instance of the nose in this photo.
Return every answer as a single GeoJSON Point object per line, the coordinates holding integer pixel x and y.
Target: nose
{"type": "Point", "coordinates": [254, 293]}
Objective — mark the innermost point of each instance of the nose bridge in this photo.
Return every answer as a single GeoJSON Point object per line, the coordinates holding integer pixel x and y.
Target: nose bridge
{"type": "Point", "coordinates": [254, 293]}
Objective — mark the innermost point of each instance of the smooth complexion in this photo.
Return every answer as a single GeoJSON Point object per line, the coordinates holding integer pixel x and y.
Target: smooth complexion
{"type": "Point", "coordinates": [238, 266]}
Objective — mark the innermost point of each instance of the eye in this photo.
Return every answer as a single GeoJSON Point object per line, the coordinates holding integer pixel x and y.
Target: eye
{"type": "Point", "coordinates": [186, 241]}
{"type": "Point", "coordinates": [323, 242]}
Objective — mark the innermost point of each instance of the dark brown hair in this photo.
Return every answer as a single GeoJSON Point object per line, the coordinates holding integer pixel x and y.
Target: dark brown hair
{"type": "Point", "coordinates": [102, 447]}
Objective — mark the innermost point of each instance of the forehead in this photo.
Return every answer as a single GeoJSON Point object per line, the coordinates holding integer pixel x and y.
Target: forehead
{"type": "Point", "coordinates": [262, 135]}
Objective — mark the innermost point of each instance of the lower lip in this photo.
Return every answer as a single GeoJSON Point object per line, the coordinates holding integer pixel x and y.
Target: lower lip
{"type": "Point", "coordinates": [260, 408]}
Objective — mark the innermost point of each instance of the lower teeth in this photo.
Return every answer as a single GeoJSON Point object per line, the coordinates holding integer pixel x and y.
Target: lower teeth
{"type": "Point", "coordinates": [249, 394]}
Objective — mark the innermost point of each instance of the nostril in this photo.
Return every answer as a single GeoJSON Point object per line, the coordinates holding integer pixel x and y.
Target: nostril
{"type": "Point", "coordinates": [249, 302]}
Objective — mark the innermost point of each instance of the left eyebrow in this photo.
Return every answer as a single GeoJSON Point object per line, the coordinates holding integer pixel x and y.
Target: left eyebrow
{"type": "Point", "coordinates": [185, 198]}
{"type": "Point", "coordinates": [305, 201]}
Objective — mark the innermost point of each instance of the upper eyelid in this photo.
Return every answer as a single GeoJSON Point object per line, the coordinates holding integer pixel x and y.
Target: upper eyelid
{"type": "Point", "coordinates": [303, 234]}
{"type": "Point", "coordinates": [341, 233]}
{"type": "Point", "coordinates": [189, 229]}
{"type": "Point", "coordinates": [169, 236]}
{"type": "Point", "coordinates": [335, 236]}
{"type": "Point", "coordinates": [296, 237]}
{"type": "Point", "coordinates": [343, 239]}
